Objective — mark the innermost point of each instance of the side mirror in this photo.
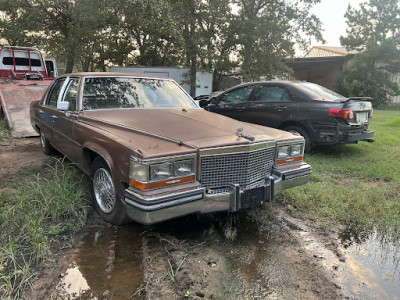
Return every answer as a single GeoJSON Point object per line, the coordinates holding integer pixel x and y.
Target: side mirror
{"type": "Point", "coordinates": [203, 103]}
{"type": "Point", "coordinates": [64, 105]}
{"type": "Point", "coordinates": [213, 100]}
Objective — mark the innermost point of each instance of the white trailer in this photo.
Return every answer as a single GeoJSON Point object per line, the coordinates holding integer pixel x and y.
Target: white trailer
{"type": "Point", "coordinates": [204, 79]}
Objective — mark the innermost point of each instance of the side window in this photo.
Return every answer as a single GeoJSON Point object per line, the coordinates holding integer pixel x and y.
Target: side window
{"type": "Point", "coordinates": [71, 93]}
{"type": "Point", "coordinates": [271, 93]}
{"type": "Point", "coordinates": [237, 95]}
{"type": "Point", "coordinates": [52, 97]}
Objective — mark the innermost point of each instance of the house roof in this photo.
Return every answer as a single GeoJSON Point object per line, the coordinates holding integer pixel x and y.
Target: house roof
{"type": "Point", "coordinates": [323, 51]}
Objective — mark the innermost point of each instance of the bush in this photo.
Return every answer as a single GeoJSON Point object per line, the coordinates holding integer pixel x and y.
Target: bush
{"type": "Point", "coordinates": [362, 81]}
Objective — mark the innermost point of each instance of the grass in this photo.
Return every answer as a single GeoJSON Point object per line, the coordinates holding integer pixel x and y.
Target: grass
{"type": "Point", "coordinates": [42, 209]}
{"type": "Point", "coordinates": [5, 135]}
{"type": "Point", "coordinates": [356, 185]}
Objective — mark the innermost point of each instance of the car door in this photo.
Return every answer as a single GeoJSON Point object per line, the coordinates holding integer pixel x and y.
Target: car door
{"type": "Point", "coordinates": [48, 108]}
{"type": "Point", "coordinates": [233, 103]}
{"type": "Point", "coordinates": [64, 120]}
{"type": "Point", "coordinates": [271, 105]}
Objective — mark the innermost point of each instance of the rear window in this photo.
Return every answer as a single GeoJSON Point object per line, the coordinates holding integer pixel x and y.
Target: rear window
{"type": "Point", "coordinates": [319, 92]}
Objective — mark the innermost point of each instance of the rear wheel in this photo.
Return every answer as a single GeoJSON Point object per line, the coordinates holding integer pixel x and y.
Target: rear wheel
{"type": "Point", "coordinates": [104, 196]}
{"type": "Point", "coordinates": [297, 130]}
{"type": "Point", "coordinates": [46, 146]}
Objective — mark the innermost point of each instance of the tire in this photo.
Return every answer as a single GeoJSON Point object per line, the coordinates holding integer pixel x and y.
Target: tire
{"type": "Point", "coordinates": [301, 131]}
{"type": "Point", "coordinates": [46, 146]}
{"type": "Point", "coordinates": [104, 196]}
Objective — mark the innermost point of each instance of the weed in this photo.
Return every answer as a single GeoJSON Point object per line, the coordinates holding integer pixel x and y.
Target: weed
{"type": "Point", "coordinates": [229, 226]}
{"type": "Point", "coordinates": [171, 272]}
{"type": "Point", "coordinates": [5, 135]}
{"type": "Point", "coordinates": [34, 214]}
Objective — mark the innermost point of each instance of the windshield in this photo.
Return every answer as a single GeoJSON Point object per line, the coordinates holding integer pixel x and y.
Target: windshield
{"type": "Point", "coordinates": [128, 92]}
{"type": "Point", "coordinates": [319, 92]}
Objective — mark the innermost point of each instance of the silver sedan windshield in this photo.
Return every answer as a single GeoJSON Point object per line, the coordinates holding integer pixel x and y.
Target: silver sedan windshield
{"type": "Point", "coordinates": [126, 92]}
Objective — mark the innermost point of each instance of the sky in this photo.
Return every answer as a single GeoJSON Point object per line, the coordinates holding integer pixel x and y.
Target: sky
{"type": "Point", "coordinates": [331, 13]}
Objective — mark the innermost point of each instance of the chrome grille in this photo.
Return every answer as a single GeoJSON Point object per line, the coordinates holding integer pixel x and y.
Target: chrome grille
{"type": "Point", "coordinates": [236, 168]}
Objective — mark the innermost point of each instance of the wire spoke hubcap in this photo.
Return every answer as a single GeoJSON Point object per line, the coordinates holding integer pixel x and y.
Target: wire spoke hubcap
{"type": "Point", "coordinates": [42, 139]}
{"type": "Point", "coordinates": [104, 190]}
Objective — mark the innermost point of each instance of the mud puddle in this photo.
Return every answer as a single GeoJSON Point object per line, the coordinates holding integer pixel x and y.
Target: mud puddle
{"type": "Point", "coordinates": [258, 254]}
{"type": "Point", "coordinates": [364, 264]}
{"type": "Point", "coordinates": [106, 265]}
{"type": "Point", "coordinates": [373, 267]}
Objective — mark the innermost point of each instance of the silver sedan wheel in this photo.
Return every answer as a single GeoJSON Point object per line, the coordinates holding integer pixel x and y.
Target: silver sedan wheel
{"type": "Point", "coordinates": [104, 190]}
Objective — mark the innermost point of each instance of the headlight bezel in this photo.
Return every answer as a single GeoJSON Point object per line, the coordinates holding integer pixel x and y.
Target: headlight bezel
{"type": "Point", "coordinates": [152, 180]}
{"type": "Point", "coordinates": [294, 152]}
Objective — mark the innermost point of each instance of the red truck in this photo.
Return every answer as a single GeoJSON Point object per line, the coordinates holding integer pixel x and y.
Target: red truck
{"type": "Point", "coordinates": [24, 77]}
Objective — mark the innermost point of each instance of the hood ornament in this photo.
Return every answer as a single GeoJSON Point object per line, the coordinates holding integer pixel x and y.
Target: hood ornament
{"type": "Point", "coordinates": [239, 133]}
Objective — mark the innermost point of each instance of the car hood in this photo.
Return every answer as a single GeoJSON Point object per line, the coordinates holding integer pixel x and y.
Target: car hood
{"type": "Point", "coordinates": [195, 128]}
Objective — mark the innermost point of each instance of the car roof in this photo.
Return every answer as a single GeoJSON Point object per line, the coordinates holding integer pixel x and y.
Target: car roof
{"type": "Point", "coordinates": [82, 74]}
{"type": "Point", "coordinates": [288, 82]}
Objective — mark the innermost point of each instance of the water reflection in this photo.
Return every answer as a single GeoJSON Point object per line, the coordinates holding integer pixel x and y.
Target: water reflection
{"type": "Point", "coordinates": [106, 265]}
{"type": "Point", "coordinates": [373, 263]}
{"type": "Point", "coordinates": [73, 283]}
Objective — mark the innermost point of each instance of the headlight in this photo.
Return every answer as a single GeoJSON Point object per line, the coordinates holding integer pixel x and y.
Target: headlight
{"type": "Point", "coordinates": [289, 153]}
{"type": "Point", "coordinates": [161, 172]}
{"type": "Point", "coordinates": [296, 150]}
{"type": "Point", "coordinates": [184, 167]}
{"type": "Point", "coordinates": [147, 175]}
{"type": "Point", "coordinates": [283, 152]}
{"type": "Point", "coordinates": [139, 172]}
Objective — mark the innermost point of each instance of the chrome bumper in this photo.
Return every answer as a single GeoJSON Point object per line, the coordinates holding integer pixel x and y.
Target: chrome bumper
{"type": "Point", "coordinates": [199, 200]}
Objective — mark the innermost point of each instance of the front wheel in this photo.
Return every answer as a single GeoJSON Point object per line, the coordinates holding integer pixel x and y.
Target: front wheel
{"type": "Point", "coordinates": [105, 199]}
{"type": "Point", "coordinates": [297, 130]}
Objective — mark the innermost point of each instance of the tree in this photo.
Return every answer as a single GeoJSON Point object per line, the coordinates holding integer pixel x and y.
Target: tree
{"type": "Point", "coordinates": [256, 35]}
{"type": "Point", "coordinates": [68, 29]}
{"type": "Point", "coordinates": [267, 31]}
{"type": "Point", "coordinates": [150, 26]}
{"type": "Point", "coordinates": [250, 38]}
{"type": "Point", "coordinates": [375, 22]}
{"type": "Point", "coordinates": [374, 30]}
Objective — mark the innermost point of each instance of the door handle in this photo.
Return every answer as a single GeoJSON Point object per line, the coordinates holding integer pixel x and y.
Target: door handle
{"type": "Point", "coordinates": [54, 117]}
{"type": "Point", "coordinates": [281, 108]}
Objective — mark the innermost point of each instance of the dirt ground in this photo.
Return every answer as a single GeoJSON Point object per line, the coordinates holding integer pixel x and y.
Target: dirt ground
{"type": "Point", "coordinates": [264, 253]}
{"type": "Point", "coordinates": [18, 154]}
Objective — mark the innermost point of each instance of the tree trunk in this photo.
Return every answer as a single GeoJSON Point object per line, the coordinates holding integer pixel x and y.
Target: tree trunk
{"type": "Point", "coordinates": [192, 48]}
{"type": "Point", "coordinates": [193, 71]}
{"type": "Point", "coordinates": [70, 63]}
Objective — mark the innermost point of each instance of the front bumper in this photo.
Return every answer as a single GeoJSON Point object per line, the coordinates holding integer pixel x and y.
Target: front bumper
{"type": "Point", "coordinates": [150, 210]}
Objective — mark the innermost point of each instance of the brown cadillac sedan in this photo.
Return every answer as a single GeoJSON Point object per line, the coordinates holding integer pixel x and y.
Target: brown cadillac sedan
{"type": "Point", "coordinates": [152, 154]}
